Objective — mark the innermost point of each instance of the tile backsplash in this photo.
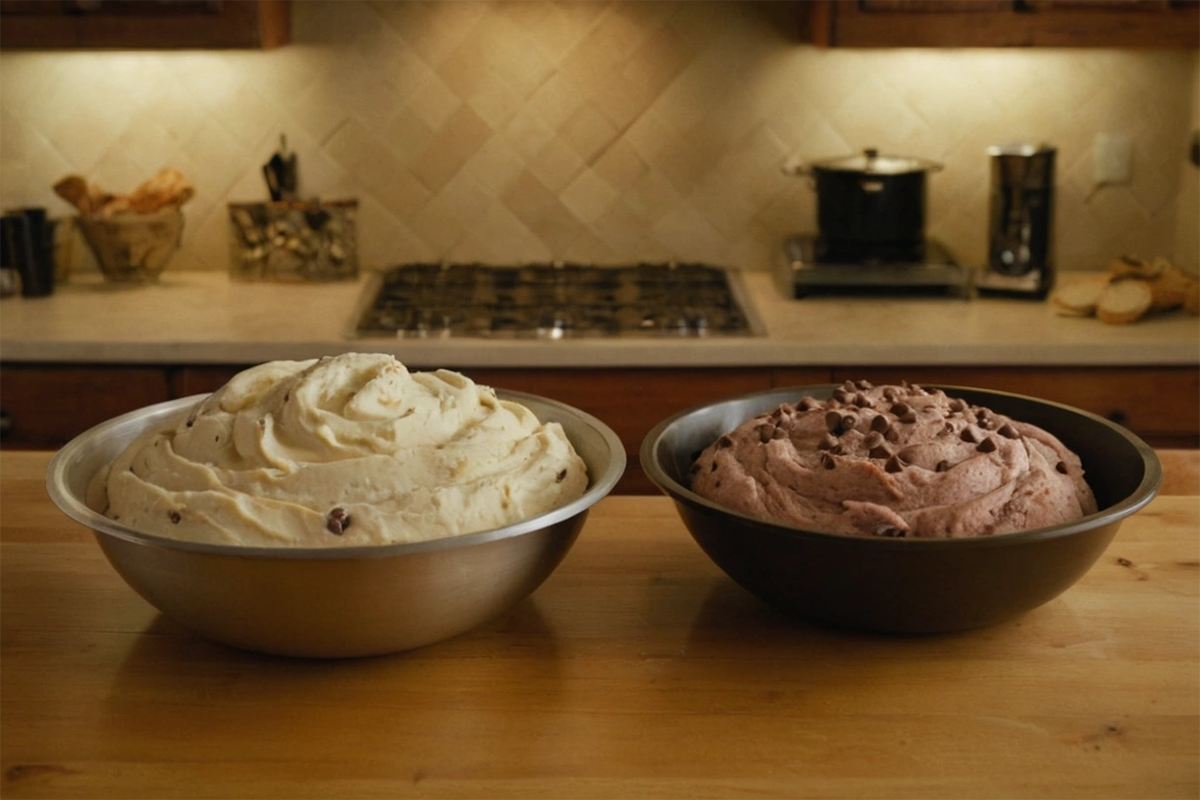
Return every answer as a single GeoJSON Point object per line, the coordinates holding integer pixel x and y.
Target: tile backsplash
{"type": "Point", "coordinates": [600, 131]}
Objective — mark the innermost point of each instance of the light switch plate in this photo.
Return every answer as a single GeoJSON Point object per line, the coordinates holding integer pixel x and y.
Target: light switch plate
{"type": "Point", "coordinates": [1112, 159]}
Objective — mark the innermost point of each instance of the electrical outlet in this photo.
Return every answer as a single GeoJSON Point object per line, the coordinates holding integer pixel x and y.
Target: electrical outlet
{"type": "Point", "coordinates": [1112, 159]}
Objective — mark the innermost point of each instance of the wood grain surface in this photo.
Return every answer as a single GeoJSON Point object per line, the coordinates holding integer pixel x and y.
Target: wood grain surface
{"type": "Point", "coordinates": [637, 670]}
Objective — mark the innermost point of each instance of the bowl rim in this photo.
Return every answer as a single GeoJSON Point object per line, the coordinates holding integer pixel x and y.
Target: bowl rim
{"type": "Point", "coordinates": [1145, 492]}
{"type": "Point", "coordinates": [75, 508]}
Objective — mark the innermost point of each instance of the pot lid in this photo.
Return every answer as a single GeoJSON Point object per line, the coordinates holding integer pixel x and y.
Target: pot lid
{"type": "Point", "coordinates": [871, 162]}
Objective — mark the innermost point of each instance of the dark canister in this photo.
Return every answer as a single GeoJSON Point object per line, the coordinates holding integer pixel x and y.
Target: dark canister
{"type": "Point", "coordinates": [28, 248]}
{"type": "Point", "coordinates": [870, 206]}
{"type": "Point", "coordinates": [1020, 221]}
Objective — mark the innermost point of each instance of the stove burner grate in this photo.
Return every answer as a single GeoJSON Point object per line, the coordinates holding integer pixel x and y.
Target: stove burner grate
{"type": "Point", "coordinates": [554, 301]}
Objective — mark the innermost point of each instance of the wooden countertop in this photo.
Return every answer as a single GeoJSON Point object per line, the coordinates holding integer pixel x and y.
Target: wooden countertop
{"type": "Point", "coordinates": [203, 317]}
{"type": "Point", "coordinates": [636, 670]}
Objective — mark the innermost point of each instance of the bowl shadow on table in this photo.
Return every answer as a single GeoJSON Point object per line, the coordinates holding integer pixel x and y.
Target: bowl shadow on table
{"type": "Point", "coordinates": [168, 664]}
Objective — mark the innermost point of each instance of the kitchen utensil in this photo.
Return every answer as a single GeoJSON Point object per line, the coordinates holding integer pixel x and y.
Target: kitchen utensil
{"type": "Point", "coordinates": [906, 585]}
{"type": "Point", "coordinates": [1020, 221]}
{"type": "Point", "coordinates": [335, 602]}
{"type": "Point", "coordinates": [132, 247]}
{"type": "Point", "coordinates": [281, 173]}
{"type": "Point", "coordinates": [869, 205]}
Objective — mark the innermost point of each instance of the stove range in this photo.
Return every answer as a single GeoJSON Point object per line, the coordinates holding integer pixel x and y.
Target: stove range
{"type": "Point", "coordinates": [554, 301]}
{"type": "Point", "coordinates": [806, 269]}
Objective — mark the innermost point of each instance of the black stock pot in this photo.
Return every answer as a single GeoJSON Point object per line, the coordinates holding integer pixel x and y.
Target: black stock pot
{"type": "Point", "coordinates": [870, 204]}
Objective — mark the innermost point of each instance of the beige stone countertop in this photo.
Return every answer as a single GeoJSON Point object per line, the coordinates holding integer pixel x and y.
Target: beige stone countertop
{"type": "Point", "coordinates": [204, 317]}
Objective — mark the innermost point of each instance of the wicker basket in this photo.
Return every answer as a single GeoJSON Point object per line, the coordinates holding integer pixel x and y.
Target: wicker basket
{"type": "Point", "coordinates": [132, 247]}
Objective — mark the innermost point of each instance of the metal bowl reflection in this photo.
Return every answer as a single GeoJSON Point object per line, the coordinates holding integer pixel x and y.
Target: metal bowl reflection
{"type": "Point", "coordinates": [335, 602]}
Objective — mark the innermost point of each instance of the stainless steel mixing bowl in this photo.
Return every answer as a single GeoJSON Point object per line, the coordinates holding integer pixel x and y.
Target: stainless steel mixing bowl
{"type": "Point", "coordinates": [335, 602]}
{"type": "Point", "coordinates": [902, 585]}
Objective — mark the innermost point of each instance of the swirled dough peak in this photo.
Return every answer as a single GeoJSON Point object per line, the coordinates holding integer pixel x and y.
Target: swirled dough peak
{"type": "Point", "coordinates": [896, 461]}
{"type": "Point", "coordinates": [348, 450]}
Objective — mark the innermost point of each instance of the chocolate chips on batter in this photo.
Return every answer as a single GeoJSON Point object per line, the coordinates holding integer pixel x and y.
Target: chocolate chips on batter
{"type": "Point", "coordinates": [336, 521]}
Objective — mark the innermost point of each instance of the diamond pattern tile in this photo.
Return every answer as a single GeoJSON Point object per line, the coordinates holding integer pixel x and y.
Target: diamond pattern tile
{"type": "Point", "coordinates": [606, 130]}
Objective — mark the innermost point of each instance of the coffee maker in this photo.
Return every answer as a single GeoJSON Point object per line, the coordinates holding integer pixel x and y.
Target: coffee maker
{"type": "Point", "coordinates": [1020, 258]}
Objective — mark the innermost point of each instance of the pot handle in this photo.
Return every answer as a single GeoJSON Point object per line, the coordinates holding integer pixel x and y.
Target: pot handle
{"type": "Point", "coordinates": [795, 169]}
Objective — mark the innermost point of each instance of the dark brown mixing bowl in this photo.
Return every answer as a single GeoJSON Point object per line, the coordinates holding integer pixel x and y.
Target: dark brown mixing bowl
{"type": "Point", "coordinates": [906, 585]}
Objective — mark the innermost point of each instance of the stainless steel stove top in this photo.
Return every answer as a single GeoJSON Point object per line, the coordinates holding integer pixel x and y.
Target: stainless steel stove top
{"type": "Point", "coordinates": [802, 272]}
{"type": "Point", "coordinates": [555, 301]}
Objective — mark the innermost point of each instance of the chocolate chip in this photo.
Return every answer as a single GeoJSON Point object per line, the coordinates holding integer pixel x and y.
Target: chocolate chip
{"type": "Point", "coordinates": [873, 439]}
{"type": "Point", "coordinates": [827, 461]}
{"type": "Point", "coordinates": [849, 386]}
{"type": "Point", "coordinates": [714, 467]}
{"type": "Point", "coordinates": [764, 433]}
{"type": "Point", "coordinates": [862, 401]}
{"type": "Point", "coordinates": [879, 451]}
{"type": "Point", "coordinates": [841, 395]}
{"type": "Point", "coordinates": [806, 404]}
{"type": "Point", "coordinates": [724, 442]}
{"type": "Point", "coordinates": [909, 418]}
{"type": "Point", "coordinates": [833, 422]}
{"type": "Point", "coordinates": [942, 466]}
{"type": "Point", "coordinates": [779, 433]}
{"type": "Point", "coordinates": [864, 385]}
{"type": "Point", "coordinates": [337, 520]}
{"type": "Point", "coordinates": [1008, 431]}
{"type": "Point", "coordinates": [1061, 467]}
{"type": "Point", "coordinates": [828, 442]}
{"type": "Point", "coordinates": [191, 422]}
{"type": "Point", "coordinates": [900, 409]}
{"type": "Point", "coordinates": [848, 422]}
{"type": "Point", "coordinates": [957, 405]}
{"type": "Point", "coordinates": [880, 423]}
{"type": "Point", "coordinates": [174, 516]}
{"type": "Point", "coordinates": [969, 435]}
{"type": "Point", "coordinates": [895, 464]}
{"type": "Point", "coordinates": [777, 414]}
{"type": "Point", "coordinates": [561, 476]}
{"type": "Point", "coordinates": [987, 423]}
{"type": "Point", "coordinates": [946, 430]}
{"type": "Point", "coordinates": [988, 445]}
{"type": "Point", "coordinates": [892, 435]}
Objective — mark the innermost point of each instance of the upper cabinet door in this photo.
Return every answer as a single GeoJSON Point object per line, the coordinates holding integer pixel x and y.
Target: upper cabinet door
{"type": "Point", "coordinates": [139, 24]}
{"type": "Point", "coordinates": [1003, 23]}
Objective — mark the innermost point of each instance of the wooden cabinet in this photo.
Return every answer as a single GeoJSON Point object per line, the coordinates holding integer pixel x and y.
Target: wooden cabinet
{"type": "Point", "coordinates": [139, 24]}
{"type": "Point", "coordinates": [1002, 23]}
{"type": "Point", "coordinates": [44, 405]}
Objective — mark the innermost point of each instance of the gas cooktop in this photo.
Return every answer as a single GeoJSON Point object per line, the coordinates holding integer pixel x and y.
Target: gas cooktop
{"type": "Point", "coordinates": [554, 301]}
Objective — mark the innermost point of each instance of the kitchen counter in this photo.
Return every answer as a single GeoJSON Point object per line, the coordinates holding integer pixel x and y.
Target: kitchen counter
{"type": "Point", "coordinates": [203, 317]}
{"type": "Point", "coordinates": [637, 670]}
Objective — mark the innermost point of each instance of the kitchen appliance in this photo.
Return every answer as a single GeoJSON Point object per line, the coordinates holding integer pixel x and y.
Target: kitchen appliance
{"type": "Point", "coordinates": [555, 301]}
{"type": "Point", "coordinates": [1020, 221]}
{"type": "Point", "coordinates": [871, 232]}
{"type": "Point", "coordinates": [869, 206]}
{"type": "Point", "coordinates": [805, 268]}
